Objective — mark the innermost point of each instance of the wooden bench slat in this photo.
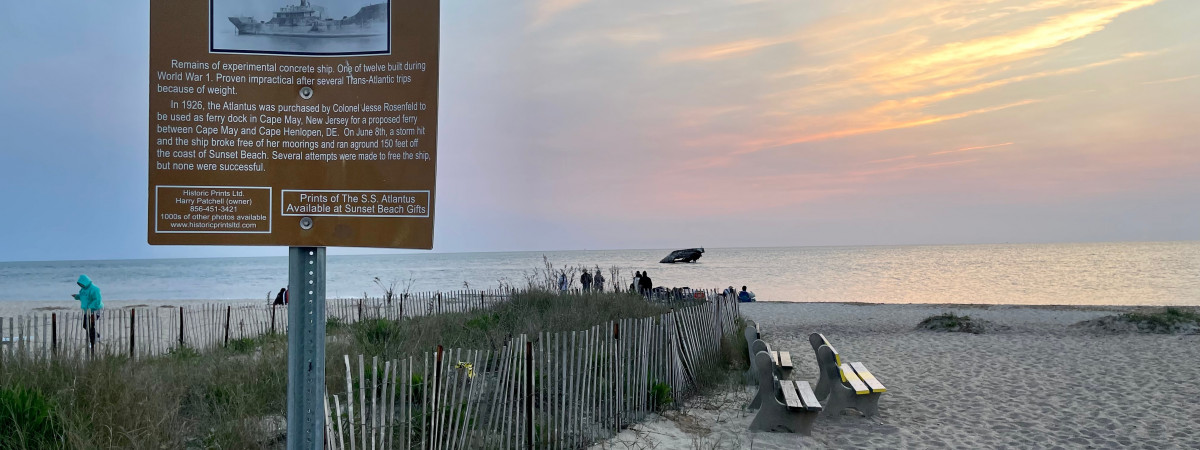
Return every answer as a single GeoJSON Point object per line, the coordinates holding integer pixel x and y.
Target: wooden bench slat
{"type": "Point", "coordinates": [848, 376]}
{"type": "Point", "coordinates": [785, 360]}
{"type": "Point", "coordinates": [775, 357]}
{"type": "Point", "coordinates": [790, 397]}
{"type": "Point", "coordinates": [867, 377]}
{"type": "Point", "coordinates": [807, 396]}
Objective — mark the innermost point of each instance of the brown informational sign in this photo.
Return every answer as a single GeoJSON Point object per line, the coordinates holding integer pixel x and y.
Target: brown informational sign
{"type": "Point", "coordinates": [293, 122]}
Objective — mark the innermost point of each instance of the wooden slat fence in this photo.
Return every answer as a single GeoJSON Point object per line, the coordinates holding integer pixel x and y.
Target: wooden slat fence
{"type": "Point", "coordinates": [560, 390]}
{"type": "Point", "coordinates": [146, 331]}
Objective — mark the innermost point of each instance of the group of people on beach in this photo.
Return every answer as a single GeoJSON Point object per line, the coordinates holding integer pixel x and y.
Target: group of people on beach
{"type": "Point", "coordinates": [642, 283]}
{"type": "Point", "coordinates": [586, 279]}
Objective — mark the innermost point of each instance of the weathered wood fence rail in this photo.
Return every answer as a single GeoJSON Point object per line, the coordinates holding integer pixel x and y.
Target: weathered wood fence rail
{"type": "Point", "coordinates": [560, 390]}
{"type": "Point", "coordinates": [147, 331]}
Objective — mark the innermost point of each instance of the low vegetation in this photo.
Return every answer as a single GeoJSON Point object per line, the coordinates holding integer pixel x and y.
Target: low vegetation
{"type": "Point", "coordinates": [235, 397]}
{"type": "Point", "coordinates": [951, 322]}
{"type": "Point", "coordinates": [1170, 320]}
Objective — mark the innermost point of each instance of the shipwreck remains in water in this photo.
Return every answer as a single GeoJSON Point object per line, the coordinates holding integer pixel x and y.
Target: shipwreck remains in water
{"type": "Point", "coordinates": [306, 20]}
{"type": "Point", "coordinates": [685, 255]}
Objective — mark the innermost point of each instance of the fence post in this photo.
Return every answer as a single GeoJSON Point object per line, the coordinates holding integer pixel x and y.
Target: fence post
{"type": "Point", "coordinates": [481, 300]}
{"type": "Point", "coordinates": [439, 299]}
{"type": "Point", "coordinates": [228, 313]}
{"type": "Point", "coordinates": [54, 333]}
{"type": "Point", "coordinates": [272, 319]}
{"type": "Point", "coordinates": [360, 312]}
{"type": "Point", "coordinates": [180, 326]}
{"type": "Point", "coordinates": [528, 394]}
{"type": "Point", "coordinates": [132, 330]}
{"type": "Point", "coordinates": [90, 318]}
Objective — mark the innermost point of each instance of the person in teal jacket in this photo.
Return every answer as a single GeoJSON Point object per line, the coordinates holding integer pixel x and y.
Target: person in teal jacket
{"type": "Point", "coordinates": [91, 304]}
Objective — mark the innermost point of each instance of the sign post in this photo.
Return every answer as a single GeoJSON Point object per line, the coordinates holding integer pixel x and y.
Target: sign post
{"type": "Point", "coordinates": [306, 347]}
{"type": "Point", "coordinates": [298, 123]}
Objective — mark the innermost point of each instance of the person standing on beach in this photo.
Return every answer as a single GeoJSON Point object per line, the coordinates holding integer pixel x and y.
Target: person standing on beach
{"type": "Point", "coordinates": [598, 281]}
{"type": "Point", "coordinates": [91, 304]}
{"type": "Point", "coordinates": [279, 298]}
{"type": "Point", "coordinates": [637, 282]}
{"type": "Point", "coordinates": [562, 281]}
{"type": "Point", "coordinates": [586, 280]}
{"type": "Point", "coordinates": [647, 284]}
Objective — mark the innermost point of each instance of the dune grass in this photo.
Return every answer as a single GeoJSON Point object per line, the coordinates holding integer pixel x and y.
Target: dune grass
{"type": "Point", "coordinates": [235, 397]}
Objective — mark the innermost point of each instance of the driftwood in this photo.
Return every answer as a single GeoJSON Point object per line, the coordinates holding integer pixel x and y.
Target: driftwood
{"type": "Point", "coordinates": [685, 255]}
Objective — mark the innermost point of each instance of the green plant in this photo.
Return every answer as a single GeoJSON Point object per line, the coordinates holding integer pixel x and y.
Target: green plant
{"type": "Point", "coordinates": [660, 395]}
{"type": "Point", "coordinates": [28, 420]}
{"type": "Point", "coordinates": [333, 324]}
{"type": "Point", "coordinates": [183, 352]}
{"type": "Point", "coordinates": [243, 345]}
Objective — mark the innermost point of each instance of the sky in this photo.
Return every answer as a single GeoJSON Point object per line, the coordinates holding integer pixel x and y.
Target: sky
{"type": "Point", "coordinates": [587, 124]}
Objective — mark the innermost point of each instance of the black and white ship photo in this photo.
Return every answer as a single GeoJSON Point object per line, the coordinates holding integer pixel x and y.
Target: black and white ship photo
{"type": "Point", "coordinates": [300, 27]}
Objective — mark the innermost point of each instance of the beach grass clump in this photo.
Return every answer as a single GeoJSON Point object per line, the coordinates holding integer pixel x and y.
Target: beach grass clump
{"type": "Point", "coordinates": [236, 397]}
{"type": "Point", "coordinates": [951, 322]}
{"type": "Point", "coordinates": [28, 420]}
{"type": "Point", "coordinates": [1165, 321]}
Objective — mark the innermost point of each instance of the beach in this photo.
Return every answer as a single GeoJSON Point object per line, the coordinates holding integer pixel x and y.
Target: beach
{"type": "Point", "coordinates": [1036, 382]}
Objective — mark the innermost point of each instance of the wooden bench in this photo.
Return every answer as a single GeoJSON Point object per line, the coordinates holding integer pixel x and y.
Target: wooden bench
{"type": "Point", "coordinates": [783, 360]}
{"type": "Point", "coordinates": [843, 385]}
{"type": "Point", "coordinates": [784, 405]}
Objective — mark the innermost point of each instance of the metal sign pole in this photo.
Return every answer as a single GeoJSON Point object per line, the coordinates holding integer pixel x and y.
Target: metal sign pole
{"type": "Point", "coordinates": [306, 348]}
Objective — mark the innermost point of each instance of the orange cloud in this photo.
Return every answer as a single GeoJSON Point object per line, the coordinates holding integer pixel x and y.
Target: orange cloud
{"type": "Point", "coordinates": [967, 149]}
{"type": "Point", "coordinates": [1171, 80]}
{"type": "Point", "coordinates": [874, 125]}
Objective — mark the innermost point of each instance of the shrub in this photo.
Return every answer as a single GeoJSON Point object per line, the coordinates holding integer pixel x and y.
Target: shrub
{"type": "Point", "coordinates": [1169, 320]}
{"type": "Point", "coordinates": [953, 323]}
{"type": "Point", "coordinates": [660, 395]}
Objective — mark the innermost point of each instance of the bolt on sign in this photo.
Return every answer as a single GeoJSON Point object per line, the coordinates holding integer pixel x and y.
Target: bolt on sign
{"type": "Point", "coordinates": [293, 122]}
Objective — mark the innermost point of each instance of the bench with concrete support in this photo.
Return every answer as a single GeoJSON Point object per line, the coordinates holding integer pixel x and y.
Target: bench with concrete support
{"type": "Point", "coordinates": [784, 405]}
{"type": "Point", "coordinates": [783, 360]}
{"type": "Point", "coordinates": [843, 385]}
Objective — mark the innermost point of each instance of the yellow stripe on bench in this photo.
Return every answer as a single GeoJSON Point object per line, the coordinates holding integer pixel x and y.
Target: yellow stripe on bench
{"type": "Point", "coordinates": [837, 356]}
{"type": "Point", "coordinates": [848, 376]}
{"type": "Point", "coordinates": [867, 378]}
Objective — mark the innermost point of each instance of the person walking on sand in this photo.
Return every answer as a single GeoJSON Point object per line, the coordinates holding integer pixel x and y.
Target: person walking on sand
{"type": "Point", "coordinates": [91, 304]}
{"type": "Point", "coordinates": [562, 281]}
{"type": "Point", "coordinates": [586, 280]}
{"type": "Point", "coordinates": [280, 296]}
{"type": "Point", "coordinates": [598, 281]}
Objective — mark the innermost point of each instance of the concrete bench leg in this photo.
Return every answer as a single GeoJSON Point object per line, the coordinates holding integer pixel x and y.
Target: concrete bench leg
{"type": "Point", "coordinates": [842, 397]}
{"type": "Point", "coordinates": [774, 415]}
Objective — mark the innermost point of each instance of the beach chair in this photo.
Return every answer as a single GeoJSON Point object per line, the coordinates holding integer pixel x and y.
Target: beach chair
{"type": "Point", "coordinates": [785, 405]}
{"type": "Point", "coordinates": [844, 385]}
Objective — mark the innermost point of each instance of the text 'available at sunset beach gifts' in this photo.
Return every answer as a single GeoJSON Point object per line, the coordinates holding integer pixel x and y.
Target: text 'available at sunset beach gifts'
{"type": "Point", "coordinates": [265, 118]}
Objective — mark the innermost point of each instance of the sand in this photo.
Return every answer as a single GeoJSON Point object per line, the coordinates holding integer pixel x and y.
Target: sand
{"type": "Point", "coordinates": [1037, 383]}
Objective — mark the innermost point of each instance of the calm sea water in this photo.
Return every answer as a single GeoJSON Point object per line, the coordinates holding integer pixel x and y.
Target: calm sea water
{"type": "Point", "coordinates": [1166, 273]}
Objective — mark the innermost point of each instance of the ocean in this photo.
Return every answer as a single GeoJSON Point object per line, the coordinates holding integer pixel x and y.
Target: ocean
{"type": "Point", "coordinates": [1150, 273]}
